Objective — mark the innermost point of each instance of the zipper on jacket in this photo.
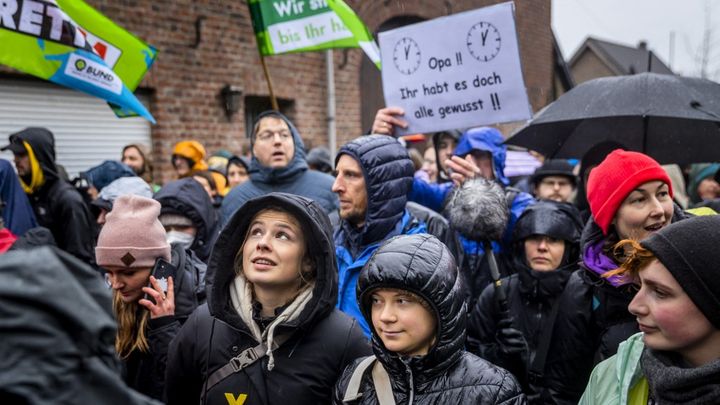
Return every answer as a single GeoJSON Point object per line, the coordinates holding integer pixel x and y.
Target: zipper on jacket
{"type": "Point", "coordinates": [411, 384]}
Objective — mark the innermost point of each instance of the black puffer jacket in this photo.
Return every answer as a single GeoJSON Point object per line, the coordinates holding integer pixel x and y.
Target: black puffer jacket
{"type": "Point", "coordinates": [322, 341]}
{"type": "Point", "coordinates": [594, 320]}
{"type": "Point", "coordinates": [58, 205]}
{"type": "Point", "coordinates": [187, 197]}
{"type": "Point", "coordinates": [145, 372]}
{"type": "Point", "coordinates": [422, 265]}
{"type": "Point", "coordinates": [530, 298]}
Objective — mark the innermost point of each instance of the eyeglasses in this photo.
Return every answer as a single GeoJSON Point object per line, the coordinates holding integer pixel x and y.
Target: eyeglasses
{"type": "Point", "coordinates": [268, 136]}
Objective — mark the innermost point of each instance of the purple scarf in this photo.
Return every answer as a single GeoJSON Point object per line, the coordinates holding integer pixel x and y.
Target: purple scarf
{"type": "Point", "coordinates": [597, 262]}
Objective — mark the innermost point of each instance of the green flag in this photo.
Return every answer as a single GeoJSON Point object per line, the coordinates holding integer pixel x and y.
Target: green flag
{"type": "Point", "coordinates": [288, 26]}
{"type": "Point", "coordinates": [48, 40]}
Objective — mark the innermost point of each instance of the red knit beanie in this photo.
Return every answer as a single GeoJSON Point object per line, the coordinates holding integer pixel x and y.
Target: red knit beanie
{"type": "Point", "coordinates": [132, 235]}
{"type": "Point", "coordinates": [617, 176]}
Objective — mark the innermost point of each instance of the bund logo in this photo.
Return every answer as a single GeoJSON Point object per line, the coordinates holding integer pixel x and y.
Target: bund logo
{"type": "Point", "coordinates": [80, 64]}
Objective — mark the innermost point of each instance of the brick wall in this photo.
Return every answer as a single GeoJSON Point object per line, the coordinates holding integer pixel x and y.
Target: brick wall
{"type": "Point", "coordinates": [186, 80]}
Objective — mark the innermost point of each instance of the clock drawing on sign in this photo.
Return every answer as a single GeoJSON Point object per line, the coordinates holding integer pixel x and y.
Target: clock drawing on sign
{"type": "Point", "coordinates": [483, 41]}
{"type": "Point", "coordinates": [406, 56]}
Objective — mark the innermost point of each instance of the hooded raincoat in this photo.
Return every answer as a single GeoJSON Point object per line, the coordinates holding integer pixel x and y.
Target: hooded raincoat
{"type": "Point", "coordinates": [17, 213]}
{"type": "Point", "coordinates": [58, 333]}
{"type": "Point", "coordinates": [388, 173]}
{"type": "Point", "coordinates": [59, 206]}
{"type": "Point", "coordinates": [295, 178]}
{"type": "Point", "coordinates": [187, 197]}
{"type": "Point", "coordinates": [447, 374]}
{"type": "Point", "coordinates": [303, 369]}
{"type": "Point", "coordinates": [531, 296]}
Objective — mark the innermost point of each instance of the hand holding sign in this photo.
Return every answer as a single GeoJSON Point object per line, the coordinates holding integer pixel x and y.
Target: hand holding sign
{"type": "Point", "coordinates": [457, 71]}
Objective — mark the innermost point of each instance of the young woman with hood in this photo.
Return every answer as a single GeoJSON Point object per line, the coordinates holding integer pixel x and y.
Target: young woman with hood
{"type": "Point", "coordinates": [129, 245]}
{"type": "Point", "coordinates": [676, 357]}
{"type": "Point", "coordinates": [411, 293]}
{"type": "Point", "coordinates": [630, 197]}
{"type": "Point", "coordinates": [517, 338]}
{"type": "Point", "coordinates": [270, 333]}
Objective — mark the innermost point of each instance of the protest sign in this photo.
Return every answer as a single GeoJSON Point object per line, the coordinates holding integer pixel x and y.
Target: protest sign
{"type": "Point", "coordinates": [44, 39]}
{"type": "Point", "coordinates": [457, 71]}
{"type": "Point", "coordinates": [287, 26]}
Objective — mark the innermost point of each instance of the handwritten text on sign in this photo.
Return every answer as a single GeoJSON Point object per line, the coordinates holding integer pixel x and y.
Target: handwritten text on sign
{"type": "Point", "coordinates": [457, 71]}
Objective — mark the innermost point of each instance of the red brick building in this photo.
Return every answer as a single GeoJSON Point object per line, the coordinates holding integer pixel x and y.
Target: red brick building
{"type": "Point", "coordinates": [205, 45]}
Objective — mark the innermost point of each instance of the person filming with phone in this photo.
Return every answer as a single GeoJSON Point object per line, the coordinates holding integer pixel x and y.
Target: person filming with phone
{"type": "Point", "coordinates": [153, 291]}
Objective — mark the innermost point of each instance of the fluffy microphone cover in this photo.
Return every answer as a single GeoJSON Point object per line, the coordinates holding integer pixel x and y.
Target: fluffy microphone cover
{"type": "Point", "coordinates": [478, 210]}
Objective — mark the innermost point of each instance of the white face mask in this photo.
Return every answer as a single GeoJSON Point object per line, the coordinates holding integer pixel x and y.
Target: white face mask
{"type": "Point", "coordinates": [184, 239]}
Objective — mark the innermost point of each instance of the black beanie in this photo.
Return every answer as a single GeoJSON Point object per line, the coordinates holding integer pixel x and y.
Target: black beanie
{"type": "Point", "coordinates": [690, 251]}
{"type": "Point", "coordinates": [554, 167]}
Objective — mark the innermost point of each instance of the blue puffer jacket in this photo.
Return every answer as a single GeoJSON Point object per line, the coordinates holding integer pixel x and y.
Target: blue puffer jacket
{"type": "Point", "coordinates": [388, 175]}
{"type": "Point", "coordinates": [295, 178]}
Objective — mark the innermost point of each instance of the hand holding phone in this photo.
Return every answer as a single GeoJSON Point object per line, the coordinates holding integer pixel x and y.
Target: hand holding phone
{"type": "Point", "coordinates": [161, 290]}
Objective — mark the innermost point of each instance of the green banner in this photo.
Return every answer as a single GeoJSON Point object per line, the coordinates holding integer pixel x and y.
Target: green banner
{"type": "Point", "coordinates": [46, 39]}
{"type": "Point", "coordinates": [289, 26]}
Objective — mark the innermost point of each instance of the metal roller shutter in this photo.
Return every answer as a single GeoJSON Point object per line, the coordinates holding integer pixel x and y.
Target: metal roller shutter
{"type": "Point", "coordinates": [86, 130]}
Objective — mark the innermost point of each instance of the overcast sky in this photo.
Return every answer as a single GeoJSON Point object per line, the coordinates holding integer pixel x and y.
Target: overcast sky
{"type": "Point", "coordinates": [629, 21]}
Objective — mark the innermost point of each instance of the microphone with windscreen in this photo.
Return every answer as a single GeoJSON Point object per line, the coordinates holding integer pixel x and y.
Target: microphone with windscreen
{"type": "Point", "coordinates": [479, 211]}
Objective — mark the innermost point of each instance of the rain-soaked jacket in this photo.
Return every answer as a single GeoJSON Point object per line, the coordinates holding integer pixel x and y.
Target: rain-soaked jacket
{"type": "Point", "coordinates": [187, 197]}
{"type": "Point", "coordinates": [59, 206]}
{"type": "Point", "coordinates": [447, 374]}
{"type": "Point", "coordinates": [295, 178]}
{"type": "Point", "coordinates": [595, 318]}
{"type": "Point", "coordinates": [388, 173]}
{"type": "Point", "coordinates": [322, 340]}
{"type": "Point", "coordinates": [58, 333]}
{"type": "Point", "coordinates": [531, 296]}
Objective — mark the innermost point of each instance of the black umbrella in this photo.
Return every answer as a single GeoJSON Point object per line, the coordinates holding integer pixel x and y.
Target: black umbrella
{"type": "Point", "coordinates": [674, 119]}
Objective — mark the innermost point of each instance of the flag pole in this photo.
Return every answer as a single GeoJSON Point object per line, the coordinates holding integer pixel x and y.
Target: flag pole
{"type": "Point", "coordinates": [273, 100]}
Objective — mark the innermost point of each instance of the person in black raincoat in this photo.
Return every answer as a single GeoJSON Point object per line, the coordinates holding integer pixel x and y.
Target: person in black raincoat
{"type": "Point", "coordinates": [411, 292]}
{"type": "Point", "coordinates": [57, 333]}
{"type": "Point", "coordinates": [186, 204]}
{"type": "Point", "coordinates": [129, 246]}
{"type": "Point", "coordinates": [545, 253]}
{"type": "Point", "coordinates": [269, 333]}
{"type": "Point", "coordinates": [58, 206]}
{"type": "Point", "coordinates": [630, 197]}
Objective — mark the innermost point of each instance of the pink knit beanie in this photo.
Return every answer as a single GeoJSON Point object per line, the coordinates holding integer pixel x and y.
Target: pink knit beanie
{"type": "Point", "coordinates": [132, 235]}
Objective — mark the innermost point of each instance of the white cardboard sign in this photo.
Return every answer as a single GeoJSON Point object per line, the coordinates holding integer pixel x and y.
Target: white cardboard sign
{"type": "Point", "coordinates": [457, 71]}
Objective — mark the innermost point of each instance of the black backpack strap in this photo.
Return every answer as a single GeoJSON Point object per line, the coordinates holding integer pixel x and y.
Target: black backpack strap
{"type": "Point", "coordinates": [510, 194]}
{"type": "Point", "coordinates": [242, 360]}
{"type": "Point", "coordinates": [536, 371]}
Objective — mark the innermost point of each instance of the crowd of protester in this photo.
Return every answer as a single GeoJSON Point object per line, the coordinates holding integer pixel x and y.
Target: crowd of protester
{"type": "Point", "coordinates": [307, 277]}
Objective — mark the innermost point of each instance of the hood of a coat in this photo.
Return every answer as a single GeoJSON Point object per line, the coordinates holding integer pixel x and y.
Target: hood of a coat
{"type": "Point", "coordinates": [106, 172]}
{"type": "Point", "coordinates": [17, 213]}
{"type": "Point", "coordinates": [423, 265]}
{"type": "Point", "coordinates": [297, 165]}
{"type": "Point", "coordinates": [42, 142]}
{"type": "Point", "coordinates": [50, 299]}
{"type": "Point", "coordinates": [317, 231]}
{"type": "Point", "coordinates": [188, 197]}
{"type": "Point", "coordinates": [489, 140]}
{"type": "Point", "coordinates": [388, 173]}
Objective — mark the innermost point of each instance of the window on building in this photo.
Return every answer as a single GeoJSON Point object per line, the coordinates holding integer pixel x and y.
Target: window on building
{"type": "Point", "coordinates": [255, 105]}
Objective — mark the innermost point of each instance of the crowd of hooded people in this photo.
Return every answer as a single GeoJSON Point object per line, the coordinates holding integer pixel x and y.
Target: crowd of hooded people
{"type": "Point", "coordinates": [286, 276]}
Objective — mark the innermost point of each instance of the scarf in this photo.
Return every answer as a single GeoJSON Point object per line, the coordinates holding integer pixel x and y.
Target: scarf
{"type": "Point", "coordinates": [596, 261]}
{"type": "Point", "coordinates": [241, 298]}
{"type": "Point", "coordinates": [671, 384]}
{"type": "Point", "coordinates": [37, 178]}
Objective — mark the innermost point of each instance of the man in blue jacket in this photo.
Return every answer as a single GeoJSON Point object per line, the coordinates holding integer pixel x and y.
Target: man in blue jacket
{"type": "Point", "coordinates": [374, 175]}
{"type": "Point", "coordinates": [278, 164]}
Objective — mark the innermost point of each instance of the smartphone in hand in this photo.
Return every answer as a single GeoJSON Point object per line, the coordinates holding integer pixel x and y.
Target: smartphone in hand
{"type": "Point", "coordinates": [161, 271]}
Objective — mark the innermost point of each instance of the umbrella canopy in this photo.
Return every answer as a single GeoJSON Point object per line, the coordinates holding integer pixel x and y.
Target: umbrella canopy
{"type": "Point", "coordinates": [674, 119]}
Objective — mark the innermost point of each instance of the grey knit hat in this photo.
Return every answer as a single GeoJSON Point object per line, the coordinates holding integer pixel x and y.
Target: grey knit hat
{"type": "Point", "coordinates": [689, 250]}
